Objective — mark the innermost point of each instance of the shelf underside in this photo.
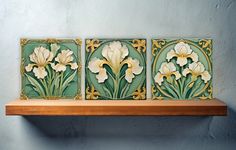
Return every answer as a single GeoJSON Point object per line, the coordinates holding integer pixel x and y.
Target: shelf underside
{"type": "Point", "coordinates": [213, 107]}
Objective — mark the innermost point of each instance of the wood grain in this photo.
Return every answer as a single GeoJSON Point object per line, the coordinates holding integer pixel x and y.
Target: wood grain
{"type": "Point", "coordinates": [120, 107]}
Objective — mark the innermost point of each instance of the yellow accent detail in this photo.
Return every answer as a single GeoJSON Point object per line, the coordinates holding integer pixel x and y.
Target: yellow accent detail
{"type": "Point", "coordinates": [52, 40]}
{"type": "Point", "coordinates": [93, 94]}
{"type": "Point", "coordinates": [157, 44]}
{"type": "Point", "coordinates": [23, 96]}
{"type": "Point", "coordinates": [139, 45]}
{"type": "Point", "coordinates": [139, 94]}
{"type": "Point", "coordinates": [206, 43]}
{"type": "Point", "coordinates": [23, 42]}
{"type": "Point", "coordinates": [78, 97]}
{"type": "Point", "coordinates": [92, 44]}
{"type": "Point", "coordinates": [78, 41]}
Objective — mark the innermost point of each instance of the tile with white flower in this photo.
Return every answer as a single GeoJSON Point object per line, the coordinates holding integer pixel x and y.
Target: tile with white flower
{"type": "Point", "coordinates": [181, 69]}
{"type": "Point", "coordinates": [50, 68]}
{"type": "Point", "coordinates": [115, 69]}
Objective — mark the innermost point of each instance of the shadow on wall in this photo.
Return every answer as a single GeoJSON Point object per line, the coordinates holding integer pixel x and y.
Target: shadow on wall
{"type": "Point", "coordinates": [169, 127]}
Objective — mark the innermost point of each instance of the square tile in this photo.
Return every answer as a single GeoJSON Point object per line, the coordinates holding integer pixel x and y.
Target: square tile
{"type": "Point", "coordinates": [181, 69]}
{"type": "Point", "coordinates": [50, 68]}
{"type": "Point", "coordinates": [115, 69]}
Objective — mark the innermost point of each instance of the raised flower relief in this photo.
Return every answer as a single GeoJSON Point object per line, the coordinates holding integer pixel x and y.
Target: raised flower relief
{"type": "Point", "coordinates": [182, 74]}
{"type": "Point", "coordinates": [50, 68]}
{"type": "Point", "coordinates": [96, 66]}
{"type": "Point", "coordinates": [54, 48]}
{"type": "Point", "coordinates": [167, 70]}
{"type": "Point", "coordinates": [182, 51]}
{"type": "Point", "coordinates": [116, 67]}
{"type": "Point", "coordinates": [64, 58]}
{"type": "Point", "coordinates": [41, 57]}
{"type": "Point", "coordinates": [197, 69]}
{"type": "Point", "coordinates": [133, 69]}
{"type": "Point", "coordinates": [115, 55]}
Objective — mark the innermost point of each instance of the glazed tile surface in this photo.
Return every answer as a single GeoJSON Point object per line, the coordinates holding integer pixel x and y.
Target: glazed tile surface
{"type": "Point", "coordinates": [50, 69]}
{"type": "Point", "coordinates": [181, 69]}
{"type": "Point", "coordinates": [115, 69]}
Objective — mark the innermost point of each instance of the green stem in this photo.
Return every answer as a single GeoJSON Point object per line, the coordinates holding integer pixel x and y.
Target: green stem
{"type": "Point", "coordinates": [171, 89]}
{"type": "Point", "coordinates": [195, 89]}
{"type": "Point", "coordinates": [45, 86]}
{"type": "Point", "coordinates": [124, 90]}
{"type": "Point", "coordinates": [122, 77]}
{"type": "Point", "coordinates": [185, 90]}
{"type": "Point", "coordinates": [109, 93]}
{"type": "Point", "coordinates": [49, 80]}
{"type": "Point", "coordinates": [61, 82]}
{"type": "Point", "coordinates": [163, 92]}
{"type": "Point", "coordinates": [177, 85]}
{"type": "Point", "coordinates": [117, 84]}
{"type": "Point", "coordinates": [111, 76]}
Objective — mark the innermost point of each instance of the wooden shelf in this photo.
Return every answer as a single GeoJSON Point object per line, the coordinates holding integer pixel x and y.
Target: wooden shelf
{"type": "Point", "coordinates": [212, 107]}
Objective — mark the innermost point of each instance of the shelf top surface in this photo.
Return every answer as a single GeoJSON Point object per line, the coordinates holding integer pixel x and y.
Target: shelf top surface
{"type": "Point", "coordinates": [212, 102]}
{"type": "Point", "coordinates": [211, 107]}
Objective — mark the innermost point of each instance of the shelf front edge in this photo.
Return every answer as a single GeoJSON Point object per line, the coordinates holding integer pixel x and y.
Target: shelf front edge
{"type": "Point", "coordinates": [212, 107]}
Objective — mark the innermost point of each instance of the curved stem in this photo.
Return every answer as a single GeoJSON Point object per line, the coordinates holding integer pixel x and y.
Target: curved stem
{"type": "Point", "coordinates": [117, 84]}
{"type": "Point", "coordinates": [195, 89]}
{"type": "Point", "coordinates": [61, 82]}
{"type": "Point", "coordinates": [45, 86]}
{"type": "Point", "coordinates": [202, 90]}
{"type": "Point", "coordinates": [177, 91]}
{"type": "Point", "coordinates": [122, 77]}
{"type": "Point", "coordinates": [111, 76]}
{"type": "Point", "coordinates": [109, 93]}
{"type": "Point", "coordinates": [185, 91]}
{"type": "Point", "coordinates": [49, 80]}
{"type": "Point", "coordinates": [124, 90]}
{"type": "Point", "coordinates": [163, 92]}
{"type": "Point", "coordinates": [171, 89]}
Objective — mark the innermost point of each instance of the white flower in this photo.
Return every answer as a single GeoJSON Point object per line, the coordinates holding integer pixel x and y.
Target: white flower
{"type": "Point", "coordinates": [166, 70]}
{"type": "Point", "coordinates": [115, 54]}
{"type": "Point", "coordinates": [133, 69]}
{"type": "Point", "coordinates": [197, 69]}
{"type": "Point", "coordinates": [64, 58]}
{"type": "Point", "coordinates": [182, 51]}
{"type": "Point", "coordinates": [96, 66]}
{"type": "Point", "coordinates": [54, 48]}
{"type": "Point", "coordinates": [40, 58]}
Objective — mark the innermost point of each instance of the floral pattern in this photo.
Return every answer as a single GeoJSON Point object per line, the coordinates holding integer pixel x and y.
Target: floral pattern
{"type": "Point", "coordinates": [167, 70]}
{"type": "Point", "coordinates": [64, 58]}
{"type": "Point", "coordinates": [181, 73]}
{"type": "Point", "coordinates": [197, 69]}
{"type": "Point", "coordinates": [114, 66]}
{"type": "Point", "coordinates": [182, 51]}
{"type": "Point", "coordinates": [40, 58]}
{"type": "Point", "coordinates": [50, 69]}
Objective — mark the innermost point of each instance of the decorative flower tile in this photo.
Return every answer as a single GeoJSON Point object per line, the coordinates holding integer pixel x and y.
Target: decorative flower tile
{"type": "Point", "coordinates": [50, 69]}
{"type": "Point", "coordinates": [115, 69]}
{"type": "Point", "coordinates": [181, 69]}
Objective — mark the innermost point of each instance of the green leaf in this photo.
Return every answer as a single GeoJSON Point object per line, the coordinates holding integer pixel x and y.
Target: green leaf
{"type": "Point", "coordinates": [107, 92]}
{"type": "Point", "coordinates": [108, 87]}
{"type": "Point", "coordinates": [37, 87]}
{"type": "Point", "coordinates": [125, 90]}
{"type": "Point", "coordinates": [55, 84]}
{"type": "Point", "coordinates": [68, 80]}
{"type": "Point", "coordinates": [169, 89]}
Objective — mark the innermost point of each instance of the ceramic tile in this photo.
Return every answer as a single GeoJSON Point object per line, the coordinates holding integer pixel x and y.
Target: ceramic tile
{"type": "Point", "coordinates": [181, 69]}
{"type": "Point", "coordinates": [115, 69]}
{"type": "Point", "coordinates": [50, 68]}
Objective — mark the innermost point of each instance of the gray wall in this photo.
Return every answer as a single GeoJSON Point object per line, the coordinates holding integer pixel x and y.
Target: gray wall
{"type": "Point", "coordinates": [127, 19]}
